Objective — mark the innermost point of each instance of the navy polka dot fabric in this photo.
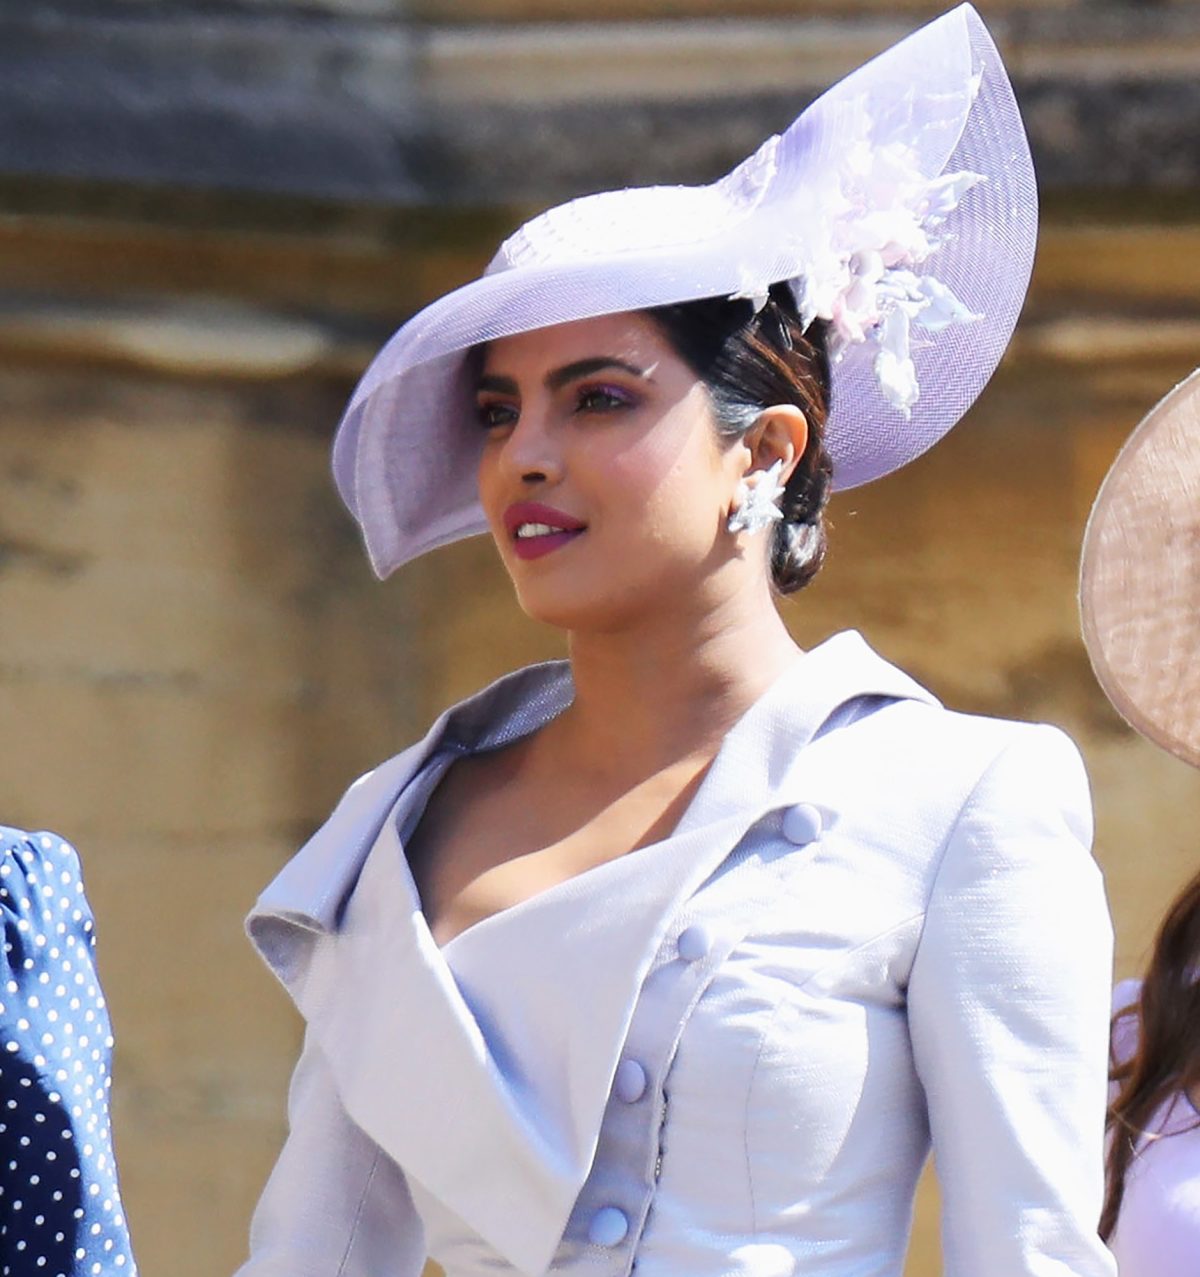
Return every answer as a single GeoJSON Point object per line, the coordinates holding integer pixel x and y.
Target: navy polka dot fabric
{"type": "Point", "coordinates": [60, 1209]}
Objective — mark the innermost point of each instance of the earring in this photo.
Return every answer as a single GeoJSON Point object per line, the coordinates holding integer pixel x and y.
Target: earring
{"type": "Point", "coordinates": [756, 505]}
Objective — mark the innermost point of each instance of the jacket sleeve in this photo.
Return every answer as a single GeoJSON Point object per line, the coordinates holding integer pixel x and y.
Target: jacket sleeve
{"type": "Point", "coordinates": [335, 1205]}
{"type": "Point", "coordinates": [1008, 1006]}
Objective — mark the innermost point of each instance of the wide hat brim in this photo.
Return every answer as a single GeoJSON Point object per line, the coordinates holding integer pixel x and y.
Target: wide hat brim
{"type": "Point", "coordinates": [1139, 590]}
{"type": "Point", "coordinates": [407, 449]}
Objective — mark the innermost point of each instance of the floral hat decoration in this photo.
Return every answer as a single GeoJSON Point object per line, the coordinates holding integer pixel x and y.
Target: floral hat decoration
{"type": "Point", "coordinates": [1139, 581]}
{"type": "Point", "coordinates": [900, 207]}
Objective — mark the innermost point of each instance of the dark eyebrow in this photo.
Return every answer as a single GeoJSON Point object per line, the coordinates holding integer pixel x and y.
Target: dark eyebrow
{"type": "Point", "coordinates": [562, 376]}
{"type": "Point", "coordinates": [586, 367]}
{"type": "Point", "coordinates": [501, 385]}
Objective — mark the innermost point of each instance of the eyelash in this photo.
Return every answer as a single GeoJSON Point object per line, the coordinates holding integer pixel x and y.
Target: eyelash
{"type": "Point", "coordinates": [616, 399]}
{"type": "Point", "coordinates": [485, 411]}
{"type": "Point", "coordinates": [611, 399]}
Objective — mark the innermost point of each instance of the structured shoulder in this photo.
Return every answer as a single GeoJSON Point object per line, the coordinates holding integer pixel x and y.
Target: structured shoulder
{"type": "Point", "coordinates": [1022, 786]}
{"type": "Point", "coordinates": [981, 733]}
{"type": "Point", "coordinates": [959, 748]}
{"type": "Point", "coordinates": [1031, 765]}
{"type": "Point", "coordinates": [914, 766]}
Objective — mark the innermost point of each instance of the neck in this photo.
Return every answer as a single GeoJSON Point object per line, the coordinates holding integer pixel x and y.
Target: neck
{"type": "Point", "coordinates": [667, 689]}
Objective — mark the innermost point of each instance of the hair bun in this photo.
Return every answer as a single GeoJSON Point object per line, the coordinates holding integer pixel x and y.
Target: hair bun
{"type": "Point", "coordinates": [797, 552]}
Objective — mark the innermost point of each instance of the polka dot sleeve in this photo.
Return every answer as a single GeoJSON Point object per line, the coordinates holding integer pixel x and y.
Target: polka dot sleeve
{"type": "Point", "coordinates": [60, 1209]}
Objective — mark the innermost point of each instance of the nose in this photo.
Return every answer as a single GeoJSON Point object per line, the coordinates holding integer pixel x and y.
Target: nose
{"type": "Point", "coordinates": [530, 453]}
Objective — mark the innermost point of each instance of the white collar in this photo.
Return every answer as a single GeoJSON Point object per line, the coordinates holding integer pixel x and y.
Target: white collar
{"type": "Point", "coordinates": [417, 1036]}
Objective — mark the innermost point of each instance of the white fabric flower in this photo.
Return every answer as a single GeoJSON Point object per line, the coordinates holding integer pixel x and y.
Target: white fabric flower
{"type": "Point", "coordinates": [894, 368]}
{"type": "Point", "coordinates": [942, 308]}
{"type": "Point", "coordinates": [881, 221]}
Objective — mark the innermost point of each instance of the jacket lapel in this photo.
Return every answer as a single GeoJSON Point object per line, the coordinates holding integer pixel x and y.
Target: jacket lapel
{"type": "Point", "coordinates": [472, 1066]}
{"type": "Point", "coordinates": [757, 763]}
{"type": "Point", "coordinates": [483, 1069]}
{"type": "Point", "coordinates": [305, 900]}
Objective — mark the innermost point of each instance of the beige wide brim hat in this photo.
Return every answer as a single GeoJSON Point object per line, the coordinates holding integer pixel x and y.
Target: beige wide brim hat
{"type": "Point", "coordinates": [1139, 590]}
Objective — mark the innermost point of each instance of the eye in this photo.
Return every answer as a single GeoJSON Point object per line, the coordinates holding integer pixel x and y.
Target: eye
{"type": "Point", "coordinates": [603, 399]}
{"type": "Point", "coordinates": [496, 414]}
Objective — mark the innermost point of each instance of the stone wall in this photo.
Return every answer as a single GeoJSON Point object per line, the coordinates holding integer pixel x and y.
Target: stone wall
{"type": "Point", "coordinates": [194, 659]}
{"type": "Point", "coordinates": [188, 679]}
{"type": "Point", "coordinates": [480, 101]}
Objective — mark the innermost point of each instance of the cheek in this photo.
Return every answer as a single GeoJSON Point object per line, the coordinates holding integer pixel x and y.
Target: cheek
{"type": "Point", "coordinates": [675, 480]}
{"type": "Point", "coordinates": [678, 457]}
{"type": "Point", "coordinates": [486, 481]}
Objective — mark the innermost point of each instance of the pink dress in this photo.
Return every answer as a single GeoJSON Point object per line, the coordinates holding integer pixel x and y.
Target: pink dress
{"type": "Point", "coordinates": [1158, 1231]}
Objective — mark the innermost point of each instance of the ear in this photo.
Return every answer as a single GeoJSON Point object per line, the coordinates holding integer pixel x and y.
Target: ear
{"type": "Point", "coordinates": [779, 434]}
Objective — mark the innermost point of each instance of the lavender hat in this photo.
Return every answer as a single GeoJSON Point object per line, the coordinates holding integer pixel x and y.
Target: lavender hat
{"type": "Point", "coordinates": [900, 207]}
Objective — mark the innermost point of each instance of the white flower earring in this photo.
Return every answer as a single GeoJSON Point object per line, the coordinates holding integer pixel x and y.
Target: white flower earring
{"type": "Point", "coordinates": [756, 505]}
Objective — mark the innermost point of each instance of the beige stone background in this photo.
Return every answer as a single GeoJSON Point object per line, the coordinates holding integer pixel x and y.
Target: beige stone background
{"type": "Point", "coordinates": [195, 660]}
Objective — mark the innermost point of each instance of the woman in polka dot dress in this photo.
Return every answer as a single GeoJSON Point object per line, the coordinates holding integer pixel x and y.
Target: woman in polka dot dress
{"type": "Point", "coordinates": [60, 1208]}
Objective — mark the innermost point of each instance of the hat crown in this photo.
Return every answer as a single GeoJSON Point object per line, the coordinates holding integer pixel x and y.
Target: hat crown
{"type": "Point", "coordinates": [639, 219]}
{"type": "Point", "coordinates": [855, 207]}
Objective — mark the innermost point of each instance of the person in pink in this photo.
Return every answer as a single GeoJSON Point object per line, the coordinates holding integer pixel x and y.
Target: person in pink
{"type": "Point", "coordinates": [1151, 1219]}
{"type": "Point", "coordinates": [1141, 562]}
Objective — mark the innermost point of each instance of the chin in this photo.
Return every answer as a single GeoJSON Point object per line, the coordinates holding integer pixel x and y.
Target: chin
{"type": "Point", "coordinates": [562, 609]}
{"type": "Point", "coordinates": [574, 605]}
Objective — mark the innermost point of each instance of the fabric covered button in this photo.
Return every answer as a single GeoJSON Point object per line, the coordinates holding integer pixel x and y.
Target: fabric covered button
{"type": "Point", "coordinates": [802, 824]}
{"type": "Point", "coordinates": [608, 1227]}
{"type": "Point", "coordinates": [694, 943]}
{"type": "Point", "coordinates": [630, 1082]}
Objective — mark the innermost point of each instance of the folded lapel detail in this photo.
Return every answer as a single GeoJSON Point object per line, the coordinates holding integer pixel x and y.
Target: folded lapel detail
{"type": "Point", "coordinates": [517, 1023]}
{"type": "Point", "coordinates": [484, 1068]}
{"type": "Point", "coordinates": [305, 900]}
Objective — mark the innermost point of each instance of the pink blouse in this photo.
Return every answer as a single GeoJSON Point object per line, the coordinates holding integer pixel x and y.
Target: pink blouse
{"type": "Point", "coordinates": [1158, 1231]}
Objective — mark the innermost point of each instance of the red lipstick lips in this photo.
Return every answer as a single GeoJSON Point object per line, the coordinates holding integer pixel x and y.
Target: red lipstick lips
{"type": "Point", "coordinates": [537, 529]}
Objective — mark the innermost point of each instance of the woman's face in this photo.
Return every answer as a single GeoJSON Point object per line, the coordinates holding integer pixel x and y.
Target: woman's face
{"type": "Point", "coordinates": [602, 476]}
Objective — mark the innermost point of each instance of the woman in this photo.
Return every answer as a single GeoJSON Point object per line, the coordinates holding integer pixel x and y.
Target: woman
{"type": "Point", "coordinates": [1140, 619]}
{"type": "Point", "coordinates": [675, 954]}
{"type": "Point", "coordinates": [1152, 1209]}
{"type": "Point", "coordinates": [60, 1207]}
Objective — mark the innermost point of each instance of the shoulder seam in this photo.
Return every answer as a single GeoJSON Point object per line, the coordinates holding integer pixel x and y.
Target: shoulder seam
{"type": "Point", "coordinates": [943, 850]}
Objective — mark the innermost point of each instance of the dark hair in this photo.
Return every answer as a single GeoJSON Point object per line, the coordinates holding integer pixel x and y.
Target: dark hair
{"type": "Point", "coordinates": [1167, 1059]}
{"type": "Point", "coordinates": [751, 361]}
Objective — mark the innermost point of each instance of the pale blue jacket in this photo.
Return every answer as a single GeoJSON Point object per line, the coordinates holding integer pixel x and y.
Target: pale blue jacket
{"type": "Point", "coordinates": [877, 926]}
